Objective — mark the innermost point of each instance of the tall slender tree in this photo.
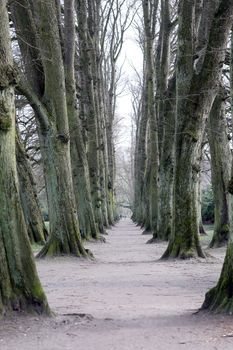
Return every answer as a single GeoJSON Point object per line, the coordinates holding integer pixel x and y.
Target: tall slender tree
{"type": "Point", "coordinates": [79, 162]}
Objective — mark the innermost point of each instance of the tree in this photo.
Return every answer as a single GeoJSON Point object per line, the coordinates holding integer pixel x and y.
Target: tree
{"type": "Point", "coordinates": [150, 19]}
{"type": "Point", "coordinates": [20, 288]}
{"type": "Point", "coordinates": [28, 195]}
{"type": "Point", "coordinates": [196, 90]}
{"type": "Point", "coordinates": [220, 168]}
{"type": "Point", "coordinates": [87, 15]}
{"type": "Point", "coordinates": [38, 23]}
{"type": "Point", "coordinates": [79, 162]}
{"type": "Point", "coordinates": [146, 150]}
{"type": "Point", "coordinates": [165, 95]}
{"type": "Point", "coordinates": [220, 298]}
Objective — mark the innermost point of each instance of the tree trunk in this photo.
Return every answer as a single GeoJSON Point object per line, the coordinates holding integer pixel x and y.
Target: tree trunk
{"type": "Point", "coordinates": [63, 221]}
{"type": "Point", "coordinates": [55, 142]}
{"type": "Point", "coordinates": [45, 90]}
{"type": "Point", "coordinates": [191, 116]}
{"type": "Point", "coordinates": [149, 13]}
{"type": "Point", "coordinates": [88, 227]}
{"type": "Point", "coordinates": [20, 288]}
{"type": "Point", "coordinates": [166, 173]}
{"type": "Point", "coordinates": [139, 167]}
{"type": "Point", "coordinates": [88, 102]}
{"type": "Point", "coordinates": [220, 298]}
{"type": "Point", "coordinates": [220, 169]}
{"type": "Point", "coordinates": [199, 194]}
{"type": "Point", "coordinates": [37, 231]}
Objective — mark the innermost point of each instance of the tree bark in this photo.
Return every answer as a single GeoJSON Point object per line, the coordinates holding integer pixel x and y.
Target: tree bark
{"type": "Point", "coordinates": [166, 173]}
{"type": "Point", "coordinates": [220, 168]}
{"type": "Point", "coordinates": [149, 13]}
{"type": "Point", "coordinates": [20, 288]}
{"type": "Point", "coordinates": [88, 227]}
{"type": "Point", "coordinates": [88, 74]}
{"type": "Point", "coordinates": [220, 298]}
{"type": "Point", "coordinates": [140, 165]}
{"type": "Point", "coordinates": [191, 117]}
{"type": "Point", "coordinates": [37, 231]}
{"type": "Point", "coordinates": [51, 112]}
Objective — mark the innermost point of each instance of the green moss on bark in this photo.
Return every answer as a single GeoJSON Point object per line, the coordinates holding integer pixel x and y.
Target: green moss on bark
{"type": "Point", "coordinates": [220, 298]}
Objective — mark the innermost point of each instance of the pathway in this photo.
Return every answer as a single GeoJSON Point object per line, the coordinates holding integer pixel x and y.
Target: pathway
{"type": "Point", "coordinates": [124, 300]}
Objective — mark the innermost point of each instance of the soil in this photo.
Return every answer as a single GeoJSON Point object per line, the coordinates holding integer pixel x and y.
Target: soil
{"type": "Point", "coordinates": [125, 299]}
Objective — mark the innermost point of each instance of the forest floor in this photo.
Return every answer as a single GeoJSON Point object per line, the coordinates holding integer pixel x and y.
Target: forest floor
{"type": "Point", "coordinates": [124, 300]}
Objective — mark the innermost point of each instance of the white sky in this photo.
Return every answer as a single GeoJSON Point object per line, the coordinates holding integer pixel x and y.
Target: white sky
{"type": "Point", "coordinates": [130, 55]}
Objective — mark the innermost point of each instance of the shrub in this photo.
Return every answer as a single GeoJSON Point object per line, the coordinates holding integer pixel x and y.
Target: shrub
{"type": "Point", "coordinates": [207, 206]}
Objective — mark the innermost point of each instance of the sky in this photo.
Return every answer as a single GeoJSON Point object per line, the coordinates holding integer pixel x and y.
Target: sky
{"type": "Point", "coordinates": [130, 55]}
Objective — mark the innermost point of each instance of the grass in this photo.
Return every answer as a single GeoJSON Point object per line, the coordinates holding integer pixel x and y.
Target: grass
{"type": "Point", "coordinates": [205, 239]}
{"type": "Point", "coordinates": [36, 248]}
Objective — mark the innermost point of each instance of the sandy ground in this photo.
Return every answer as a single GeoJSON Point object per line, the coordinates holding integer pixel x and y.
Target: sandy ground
{"type": "Point", "coordinates": [126, 299]}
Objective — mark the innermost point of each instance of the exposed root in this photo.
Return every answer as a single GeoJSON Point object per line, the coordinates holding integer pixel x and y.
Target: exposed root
{"type": "Point", "coordinates": [152, 241]}
{"type": "Point", "coordinates": [220, 298]}
{"type": "Point", "coordinates": [99, 239]}
{"type": "Point", "coordinates": [218, 243]}
{"type": "Point", "coordinates": [175, 251]}
{"type": "Point", "coordinates": [55, 248]}
{"type": "Point", "coordinates": [147, 232]}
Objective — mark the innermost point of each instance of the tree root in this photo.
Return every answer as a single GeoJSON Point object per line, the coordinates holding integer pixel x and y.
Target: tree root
{"type": "Point", "coordinates": [147, 232]}
{"type": "Point", "coordinates": [175, 251]}
{"type": "Point", "coordinates": [220, 298]}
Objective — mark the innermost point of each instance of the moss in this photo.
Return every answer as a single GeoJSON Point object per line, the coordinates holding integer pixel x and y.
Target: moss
{"type": "Point", "coordinates": [5, 117]}
{"type": "Point", "coordinates": [36, 247]}
{"type": "Point", "coordinates": [5, 123]}
{"type": "Point", "coordinates": [230, 186]}
{"type": "Point", "coordinates": [225, 229]}
{"type": "Point", "coordinates": [192, 134]}
{"type": "Point", "coordinates": [220, 237]}
{"type": "Point", "coordinates": [220, 298]}
{"type": "Point", "coordinates": [9, 76]}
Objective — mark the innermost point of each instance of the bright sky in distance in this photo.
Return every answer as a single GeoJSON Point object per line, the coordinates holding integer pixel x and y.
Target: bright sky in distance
{"type": "Point", "coordinates": [131, 56]}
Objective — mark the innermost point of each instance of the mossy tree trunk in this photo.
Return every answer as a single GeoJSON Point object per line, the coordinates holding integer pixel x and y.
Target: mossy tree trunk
{"type": "Point", "coordinates": [86, 24]}
{"type": "Point", "coordinates": [50, 106]}
{"type": "Point", "coordinates": [37, 231]}
{"type": "Point", "coordinates": [166, 173]}
{"type": "Point", "coordinates": [81, 179]}
{"type": "Point", "coordinates": [94, 31]}
{"type": "Point", "coordinates": [220, 168]}
{"type": "Point", "coordinates": [64, 236]}
{"type": "Point", "coordinates": [200, 87]}
{"type": "Point", "coordinates": [165, 107]}
{"type": "Point", "coordinates": [150, 16]}
{"type": "Point", "coordinates": [140, 165]}
{"type": "Point", "coordinates": [199, 196]}
{"type": "Point", "coordinates": [20, 288]}
{"type": "Point", "coordinates": [146, 223]}
{"type": "Point", "coordinates": [220, 298]}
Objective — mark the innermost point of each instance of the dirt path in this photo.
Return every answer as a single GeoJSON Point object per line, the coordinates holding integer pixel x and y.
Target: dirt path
{"type": "Point", "coordinates": [128, 299]}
